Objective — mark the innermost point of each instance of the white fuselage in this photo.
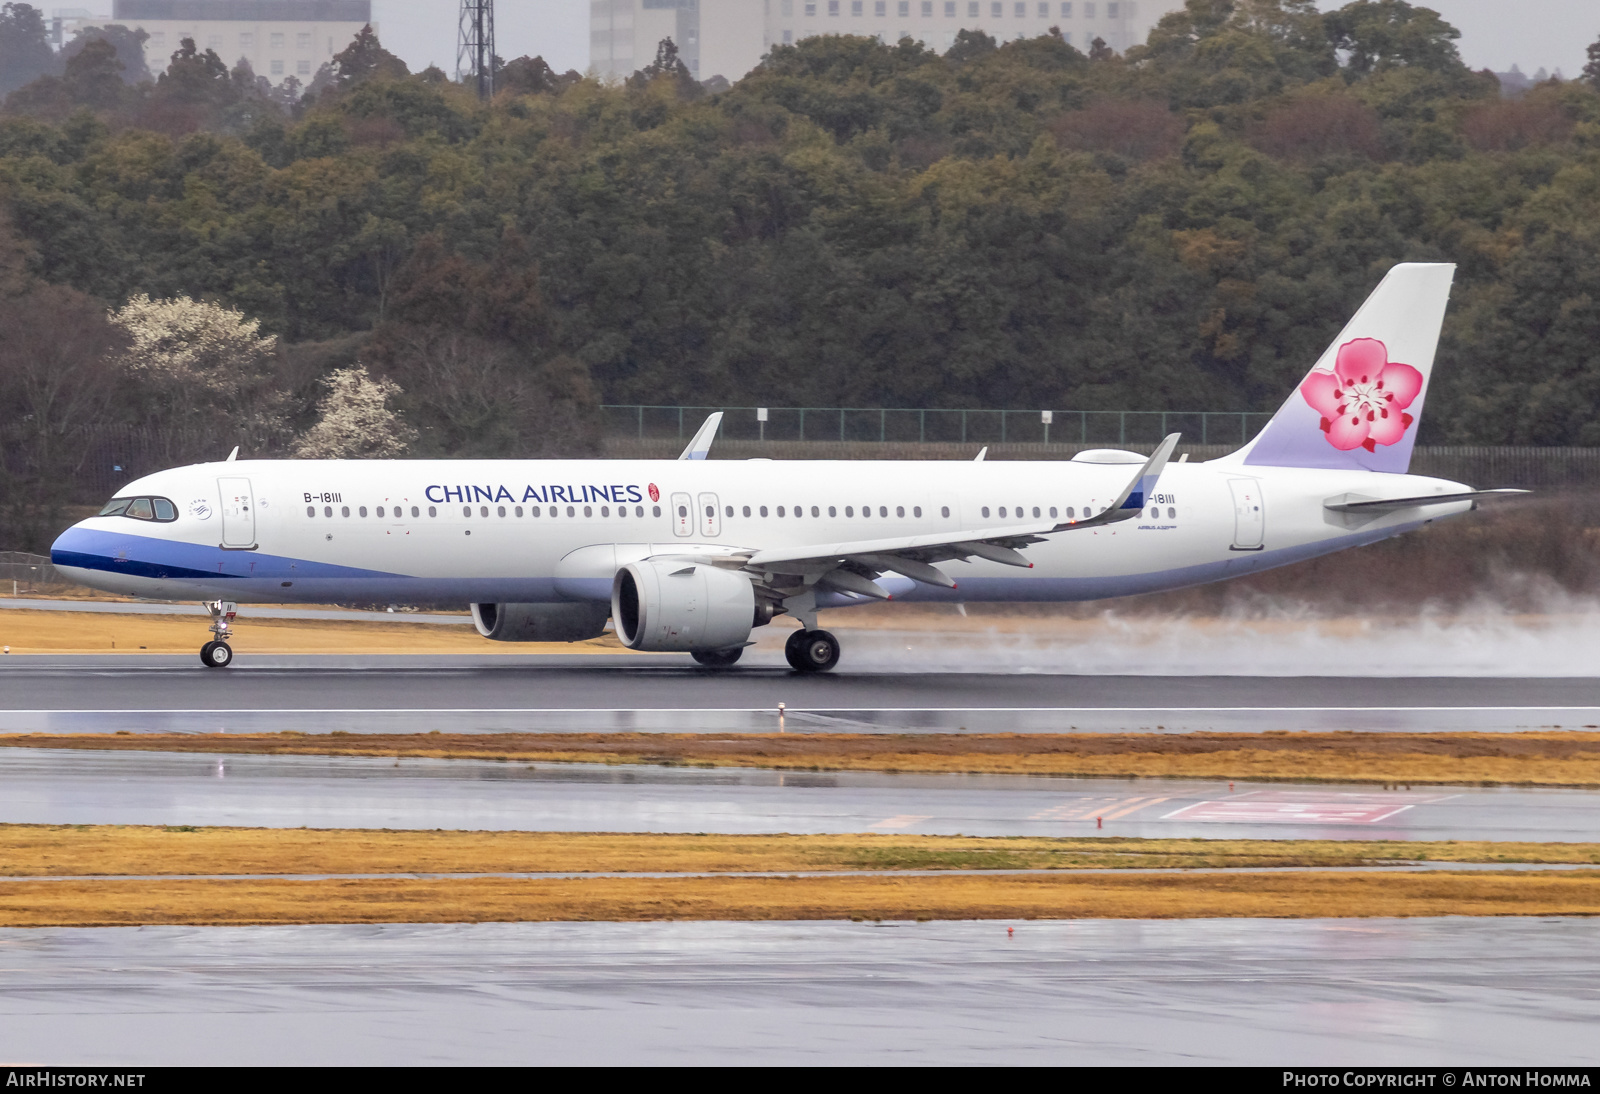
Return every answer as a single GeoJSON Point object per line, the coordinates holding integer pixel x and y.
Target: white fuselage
{"type": "Point", "coordinates": [537, 531]}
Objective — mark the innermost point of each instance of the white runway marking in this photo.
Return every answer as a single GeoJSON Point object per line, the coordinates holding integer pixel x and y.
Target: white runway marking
{"type": "Point", "coordinates": [904, 820]}
{"type": "Point", "coordinates": [1304, 807]}
{"type": "Point", "coordinates": [813, 710]}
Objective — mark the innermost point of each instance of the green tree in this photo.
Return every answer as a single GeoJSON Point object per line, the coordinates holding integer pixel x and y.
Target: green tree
{"type": "Point", "coordinates": [365, 59]}
{"type": "Point", "coordinates": [129, 45]}
{"type": "Point", "coordinates": [25, 53]}
{"type": "Point", "coordinates": [1383, 34]}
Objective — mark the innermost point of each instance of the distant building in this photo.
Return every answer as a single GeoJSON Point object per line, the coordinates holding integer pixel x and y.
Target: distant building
{"type": "Point", "coordinates": [63, 21]}
{"type": "Point", "coordinates": [280, 38]}
{"type": "Point", "coordinates": [729, 37]}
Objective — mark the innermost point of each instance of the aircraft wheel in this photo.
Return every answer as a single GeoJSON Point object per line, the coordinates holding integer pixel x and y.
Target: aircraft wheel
{"type": "Point", "coordinates": [717, 659]}
{"type": "Point", "coordinates": [216, 655]}
{"type": "Point", "coordinates": [812, 651]}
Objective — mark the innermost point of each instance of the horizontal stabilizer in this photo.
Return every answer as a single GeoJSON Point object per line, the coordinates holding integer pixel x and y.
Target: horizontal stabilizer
{"type": "Point", "coordinates": [1360, 503]}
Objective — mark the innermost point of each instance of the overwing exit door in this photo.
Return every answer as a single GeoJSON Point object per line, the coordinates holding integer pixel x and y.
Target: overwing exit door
{"type": "Point", "coordinates": [683, 522]}
{"type": "Point", "coordinates": [1249, 515]}
{"type": "Point", "coordinates": [710, 519]}
{"type": "Point", "coordinates": [238, 513]}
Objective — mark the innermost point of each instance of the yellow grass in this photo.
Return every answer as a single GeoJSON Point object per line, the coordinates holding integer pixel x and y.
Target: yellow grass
{"type": "Point", "coordinates": [32, 850]}
{"type": "Point", "coordinates": [960, 896]}
{"type": "Point", "coordinates": [88, 859]}
{"type": "Point", "coordinates": [1534, 758]}
{"type": "Point", "coordinates": [28, 631]}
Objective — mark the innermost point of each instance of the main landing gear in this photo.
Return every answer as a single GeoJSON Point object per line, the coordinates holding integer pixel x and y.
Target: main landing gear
{"type": "Point", "coordinates": [217, 654]}
{"type": "Point", "coordinates": [811, 651]}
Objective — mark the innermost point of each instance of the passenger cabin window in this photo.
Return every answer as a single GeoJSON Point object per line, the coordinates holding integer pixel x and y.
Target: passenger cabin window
{"type": "Point", "coordinates": [158, 509]}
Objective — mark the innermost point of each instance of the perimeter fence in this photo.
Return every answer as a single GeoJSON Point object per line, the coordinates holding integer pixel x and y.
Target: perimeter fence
{"type": "Point", "coordinates": [930, 426]}
{"type": "Point", "coordinates": [22, 573]}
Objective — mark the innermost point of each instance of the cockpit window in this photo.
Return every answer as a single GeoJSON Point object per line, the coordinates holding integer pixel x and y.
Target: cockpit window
{"type": "Point", "coordinates": [159, 509]}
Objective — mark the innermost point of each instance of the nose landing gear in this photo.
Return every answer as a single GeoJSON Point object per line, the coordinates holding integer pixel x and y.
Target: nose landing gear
{"type": "Point", "coordinates": [811, 651]}
{"type": "Point", "coordinates": [217, 654]}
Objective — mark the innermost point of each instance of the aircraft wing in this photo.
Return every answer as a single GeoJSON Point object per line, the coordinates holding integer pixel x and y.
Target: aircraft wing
{"type": "Point", "coordinates": [851, 566]}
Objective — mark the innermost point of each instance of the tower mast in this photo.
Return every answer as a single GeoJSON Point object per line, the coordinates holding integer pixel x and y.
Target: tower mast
{"type": "Point", "coordinates": [475, 46]}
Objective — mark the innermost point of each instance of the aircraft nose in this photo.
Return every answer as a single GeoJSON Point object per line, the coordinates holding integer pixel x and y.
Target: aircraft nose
{"type": "Point", "coordinates": [69, 545]}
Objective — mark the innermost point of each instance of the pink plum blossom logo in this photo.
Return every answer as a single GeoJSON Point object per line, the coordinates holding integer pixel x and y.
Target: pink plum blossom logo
{"type": "Point", "coordinates": [1363, 400]}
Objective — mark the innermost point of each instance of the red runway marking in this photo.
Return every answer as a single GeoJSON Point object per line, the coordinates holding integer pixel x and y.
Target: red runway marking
{"type": "Point", "coordinates": [1303, 807]}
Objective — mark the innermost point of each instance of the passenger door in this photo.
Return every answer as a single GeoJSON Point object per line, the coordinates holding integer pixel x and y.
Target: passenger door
{"type": "Point", "coordinates": [238, 513]}
{"type": "Point", "coordinates": [683, 522]}
{"type": "Point", "coordinates": [710, 516]}
{"type": "Point", "coordinates": [1249, 515]}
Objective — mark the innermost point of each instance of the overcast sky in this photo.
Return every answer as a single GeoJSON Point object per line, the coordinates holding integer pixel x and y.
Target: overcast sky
{"type": "Point", "coordinates": [1494, 33]}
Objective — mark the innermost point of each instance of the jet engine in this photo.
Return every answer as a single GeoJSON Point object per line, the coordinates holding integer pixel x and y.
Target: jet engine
{"type": "Point", "coordinates": [662, 604]}
{"type": "Point", "coordinates": [539, 622]}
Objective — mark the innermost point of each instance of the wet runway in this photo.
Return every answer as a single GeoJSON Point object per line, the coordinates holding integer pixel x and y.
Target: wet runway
{"type": "Point", "coordinates": [73, 787]}
{"type": "Point", "coordinates": [1267, 992]}
{"type": "Point", "coordinates": [499, 692]}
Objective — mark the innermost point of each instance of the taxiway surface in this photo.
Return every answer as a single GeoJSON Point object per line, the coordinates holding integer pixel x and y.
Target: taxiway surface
{"type": "Point", "coordinates": [76, 787]}
{"type": "Point", "coordinates": [500, 692]}
{"type": "Point", "coordinates": [1312, 992]}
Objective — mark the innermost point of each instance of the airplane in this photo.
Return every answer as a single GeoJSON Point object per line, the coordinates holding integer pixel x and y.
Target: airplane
{"type": "Point", "coordinates": [692, 555]}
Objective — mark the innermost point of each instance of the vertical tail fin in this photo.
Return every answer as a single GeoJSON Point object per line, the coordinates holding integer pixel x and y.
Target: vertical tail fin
{"type": "Point", "coordinates": [1358, 408]}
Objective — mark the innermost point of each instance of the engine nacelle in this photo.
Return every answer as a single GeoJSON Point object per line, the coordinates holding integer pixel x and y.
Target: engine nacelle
{"type": "Point", "coordinates": [540, 622]}
{"type": "Point", "coordinates": [664, 605]}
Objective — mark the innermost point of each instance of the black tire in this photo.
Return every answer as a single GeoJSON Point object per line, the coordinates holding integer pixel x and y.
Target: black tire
{"type": "Point", "coordinates": [216, 655]}
{"type": "Point", "coordinates": [812, 651]}
{"type": "Point", "coordinates": [791, 650]}
{"type": "Point", "coordinates": [718, 659]}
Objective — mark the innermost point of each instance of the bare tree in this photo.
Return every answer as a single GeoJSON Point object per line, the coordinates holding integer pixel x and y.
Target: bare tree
{"type": "Point", "coordinates": [57, 383]}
